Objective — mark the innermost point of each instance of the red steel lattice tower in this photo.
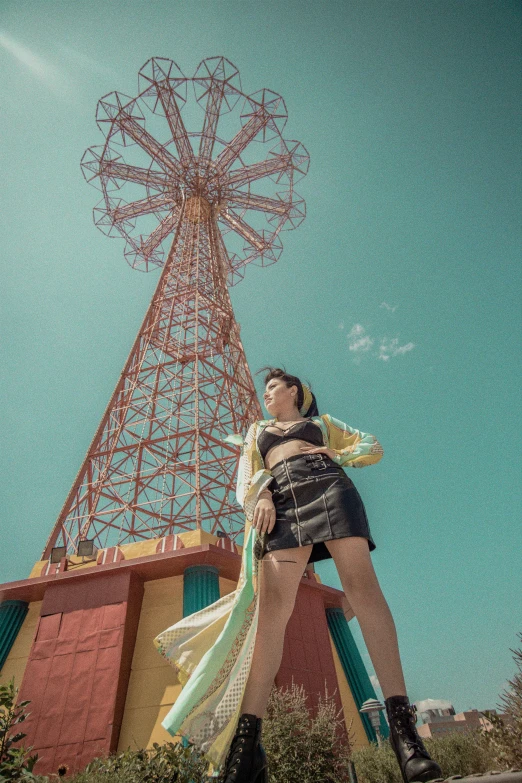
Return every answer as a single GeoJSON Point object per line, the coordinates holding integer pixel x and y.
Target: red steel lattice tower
{"type": "Point", "coordinates": [202, 205]}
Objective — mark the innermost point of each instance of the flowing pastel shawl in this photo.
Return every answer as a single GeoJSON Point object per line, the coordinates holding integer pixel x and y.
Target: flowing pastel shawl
{"type": "Point", "coordinates": [211, 650]}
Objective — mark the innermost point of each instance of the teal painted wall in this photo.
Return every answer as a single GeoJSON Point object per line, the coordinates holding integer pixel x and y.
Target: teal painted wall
{"type": "Point", "coordinates": [12, 615]}
{"type": "Point", "coordinates": [354, 669]}
{"type": "Point", "coordinates": [200, 589]}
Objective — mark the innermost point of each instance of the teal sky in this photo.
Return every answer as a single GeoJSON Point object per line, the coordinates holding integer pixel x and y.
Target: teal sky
{"type": "Point", "coordinates": [398, 298]}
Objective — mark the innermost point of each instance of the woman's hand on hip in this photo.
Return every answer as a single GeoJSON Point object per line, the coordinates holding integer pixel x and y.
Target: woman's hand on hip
{"type": "Point", "coordinates": [319, 450]}
{"type": "Point", "coordinates": [264, 515]}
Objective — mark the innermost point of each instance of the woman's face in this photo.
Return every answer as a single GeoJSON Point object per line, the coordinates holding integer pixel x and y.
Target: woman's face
{"type": "Point", "coordinates": [279, 397]}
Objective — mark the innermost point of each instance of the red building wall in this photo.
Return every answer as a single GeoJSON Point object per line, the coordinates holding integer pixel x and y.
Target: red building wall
{"type": "Point", "coordinates": [307, 654]}
{"type": "Point", "coordinates": [77, 673]}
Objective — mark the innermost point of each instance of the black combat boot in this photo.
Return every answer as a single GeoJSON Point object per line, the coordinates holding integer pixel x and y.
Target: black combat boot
{"type": "Point", "coordinates": [246, 759]}
{"type": "Point", "coordinates": [414, 760]}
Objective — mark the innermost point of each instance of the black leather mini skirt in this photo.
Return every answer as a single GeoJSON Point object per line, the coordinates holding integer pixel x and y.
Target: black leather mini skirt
{"type": "Point", "coordinates": [315, 501]}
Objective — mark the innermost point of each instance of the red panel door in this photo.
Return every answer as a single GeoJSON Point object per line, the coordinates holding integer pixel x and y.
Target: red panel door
{"type": "Point", "coordinates": [77, 673]}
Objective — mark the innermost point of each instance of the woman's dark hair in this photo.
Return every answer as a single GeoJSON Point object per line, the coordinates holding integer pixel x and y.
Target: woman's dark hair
{"type": "Point", "coordinates": [291, 380]}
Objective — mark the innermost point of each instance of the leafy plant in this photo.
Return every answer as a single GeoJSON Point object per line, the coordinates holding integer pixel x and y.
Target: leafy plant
{"type": "Point", "coordinates": [505, 738]}
{"type": "Point", "coordinates": [457, 753]}
{"type": "Point", "coordinates": [169, 763]}
{"type": "Point", "coordinates": [376, 765]}
{"type": "Point", "coordinates": [302, 748]}
{"type": "Point", "coordinates": [15, 762]}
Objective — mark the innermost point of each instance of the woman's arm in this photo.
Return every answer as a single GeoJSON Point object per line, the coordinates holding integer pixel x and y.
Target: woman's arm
{"type": "Point", "coordinates": [353, 448]}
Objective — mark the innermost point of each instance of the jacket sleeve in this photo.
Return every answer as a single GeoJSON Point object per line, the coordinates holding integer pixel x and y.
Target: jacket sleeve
{"type": "Point", "coordinates": [252, 476]}
{"type": "Point", "coordinates": [353, 448]}
{"type": "Point", "coordinates": [244, 469]}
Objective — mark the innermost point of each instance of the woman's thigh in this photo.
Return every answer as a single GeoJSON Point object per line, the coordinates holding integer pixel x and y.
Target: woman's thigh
{"type": "Point", "coordinates": [281, 571]}
{"type": "Point", "coordinates": [352, 559]}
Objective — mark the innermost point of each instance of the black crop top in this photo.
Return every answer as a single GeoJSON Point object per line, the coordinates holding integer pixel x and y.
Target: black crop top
{"type": "Point", "coordinates": [302, 430]}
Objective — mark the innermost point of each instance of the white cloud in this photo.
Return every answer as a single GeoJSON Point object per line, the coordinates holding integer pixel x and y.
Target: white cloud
{"type": "Point", "coordinates": [341, 324]}
{"type": "Point", "coordinates": [388, 307]}
{"type": "Point", "coordinates": [358, 341]}
{"type": "Point", "coordinates": [44, 71]}
{"type": "Point", "coordinates": [390, 348]}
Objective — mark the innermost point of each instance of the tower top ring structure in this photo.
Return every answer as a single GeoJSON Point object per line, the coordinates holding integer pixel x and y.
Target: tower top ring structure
{"type": "Point", "coordinates": [237, 167]}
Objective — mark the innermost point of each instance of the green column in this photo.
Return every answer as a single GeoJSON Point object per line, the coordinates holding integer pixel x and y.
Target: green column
{"type": "Point", "coordinates": [200, 589]}
{"type": "Point", "coordinates": [12, 615]}
{"type": "Point", "coordinates": [354, 669]}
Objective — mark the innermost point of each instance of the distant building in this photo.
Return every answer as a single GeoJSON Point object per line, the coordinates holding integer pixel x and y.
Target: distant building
{"type": "Point", "coordinates": [438, 718]}
{"type": "Point", "coordinates": [433, 709]}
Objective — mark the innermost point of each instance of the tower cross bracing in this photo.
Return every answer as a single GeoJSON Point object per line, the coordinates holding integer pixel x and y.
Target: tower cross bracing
{"type": "Point", "coordinates": [201, 206]}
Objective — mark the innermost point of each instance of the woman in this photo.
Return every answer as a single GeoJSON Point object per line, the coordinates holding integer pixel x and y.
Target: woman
{"type": "Point", "coordinates": [300, 507]}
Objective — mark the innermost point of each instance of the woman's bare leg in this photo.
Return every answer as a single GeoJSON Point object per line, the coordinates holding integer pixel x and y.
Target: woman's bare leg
{"type": "Point", "coordinates": [355, 568]}
{"type": "Point", "coordinates": [281, 573]}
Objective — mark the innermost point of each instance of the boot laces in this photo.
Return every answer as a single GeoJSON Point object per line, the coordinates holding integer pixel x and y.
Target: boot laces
{"type": "Point", "coordinates": [405, 724]}
{"type": "Point", "coordinates": [235, 754]}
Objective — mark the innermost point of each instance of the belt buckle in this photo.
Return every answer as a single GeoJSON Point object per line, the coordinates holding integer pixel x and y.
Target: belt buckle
{"type": "Point", "coordinates": [317, 461]}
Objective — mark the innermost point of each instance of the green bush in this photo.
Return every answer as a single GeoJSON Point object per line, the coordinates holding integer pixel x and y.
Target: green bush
{"type": "Point", "coordinates": [505, 739]}
{"type": "Point", "coordinates": [461, 752]}
{"type": "Point", "coordinates": [302, 748]}
{"type": "Point", "coordinates": [457, 753]}
{"type": "Point", "coordinates": [15, 763]}
{"type": "Point", "coordinates": [169, 763]}
{"type": "Point", "coordinates": [376, 765]}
